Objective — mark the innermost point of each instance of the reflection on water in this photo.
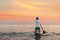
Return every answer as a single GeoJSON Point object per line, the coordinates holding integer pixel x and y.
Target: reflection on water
{"type": "Point", "coordinates": [37, 36]}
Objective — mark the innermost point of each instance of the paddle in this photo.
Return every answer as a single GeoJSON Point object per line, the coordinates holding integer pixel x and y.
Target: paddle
{"type": "Point", "coordinates": [43, 29]}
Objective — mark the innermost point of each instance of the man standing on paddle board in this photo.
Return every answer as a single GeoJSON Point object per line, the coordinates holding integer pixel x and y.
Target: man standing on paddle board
{"type": "Point", "coordinates": [38, 25]}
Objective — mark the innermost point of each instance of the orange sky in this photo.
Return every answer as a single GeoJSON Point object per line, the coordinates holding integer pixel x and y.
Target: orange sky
{"type": "Point", "coordinates": [26, 10]}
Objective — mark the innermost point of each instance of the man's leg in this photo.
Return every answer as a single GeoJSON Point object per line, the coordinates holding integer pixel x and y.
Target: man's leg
{"type": "Point", "coordinates": [39, 29]}
{"type": "Point", "coordinates": [35, 30]}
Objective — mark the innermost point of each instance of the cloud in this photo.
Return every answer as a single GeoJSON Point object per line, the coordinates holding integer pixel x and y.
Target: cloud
{"type": "Point", "coordinates": [47, 10]}
{"type": "Point", "coordinates": [31, 5]}
{"type": "Point", "coordinates": [6, 5]}
{"type": "Point", "coordinates": [54, 8]}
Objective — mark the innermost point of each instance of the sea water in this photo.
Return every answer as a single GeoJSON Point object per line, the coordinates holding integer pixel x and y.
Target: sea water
{"type": "Point", "coordinates": [28, 28]}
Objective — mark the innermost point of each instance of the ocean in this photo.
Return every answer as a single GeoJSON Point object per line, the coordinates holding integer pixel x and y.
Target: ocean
{"type": "Point", "coordinates": [28, 28]}
{"type": "Point", "coordinates": [25, 32]}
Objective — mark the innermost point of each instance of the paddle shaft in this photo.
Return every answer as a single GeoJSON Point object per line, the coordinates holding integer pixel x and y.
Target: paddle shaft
{"type": "Point", "coordinates": [41, 26]}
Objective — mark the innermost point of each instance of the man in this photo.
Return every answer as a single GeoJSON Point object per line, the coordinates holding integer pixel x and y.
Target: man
{"type": "Point", "coordinates": [37, 27]}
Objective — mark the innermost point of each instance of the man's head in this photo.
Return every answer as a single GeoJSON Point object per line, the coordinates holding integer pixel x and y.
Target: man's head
{"type": "Point", "coordinates": [37, 18]}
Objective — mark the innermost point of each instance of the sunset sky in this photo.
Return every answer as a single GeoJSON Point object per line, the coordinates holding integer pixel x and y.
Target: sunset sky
{"type": "Point", "coordinates": [25, 11]}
